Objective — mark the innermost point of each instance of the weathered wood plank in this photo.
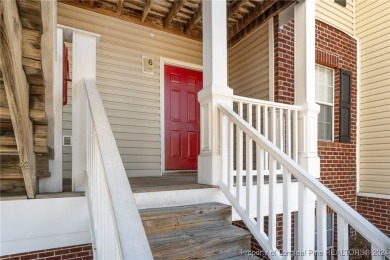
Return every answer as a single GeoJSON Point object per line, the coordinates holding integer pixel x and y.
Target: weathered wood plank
{"type": "Point", "coordinates": [10, 187]}
{"type": "Point", "coordinates": [40, 139]}
{"type": "Point", "coordinates": [119, 7]}
{"type": "Point", "coordinates": [194, 21]}
{"type": "Point", "coordinates": [42, 166]}
{"type": "Point", "coordinates": [1, 73]}
{"type": "Point", "coordinates": [10, 167]}
{"type": "Point", "coordinates": [146, 10]}
{"type": "Point", "coordinates": [173, 12]}
{"type": "Point", "coordinates": [5, 115]}
{"type": "Point", "coordinates": [38, 116]}
{"type": "Point", "coordinates": [37, 97]}
{"type": "Point", "coordinates": [17, 90]}
{"type": "Point", "coordinates": [212, 243]}
{"type": "Point", "coordinates": [47, 56]}
{"type": "Point", "coordinates": [173, 219]}
{"type": "Point", "coordinates": [34, 75]}
{"type": "Point", "coordinates": [30, 14]}
{"type": "Point", "coordinates": [3, 96]}
{"type": "Point", "coordinates": [31, 44]}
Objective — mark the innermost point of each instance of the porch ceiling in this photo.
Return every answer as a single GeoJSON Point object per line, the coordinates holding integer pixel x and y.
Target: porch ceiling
{"type": "Point", "coordinates": [184, 17]}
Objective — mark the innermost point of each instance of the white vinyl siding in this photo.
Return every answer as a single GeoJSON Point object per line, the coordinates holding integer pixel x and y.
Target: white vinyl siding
{"type": "Point", "coordinates": [249, 65]}
{"type": "Point", "coordinates": [131, 98]}
{"type": "Point", "coordinates": [340, 17]}
{"type": "Point", "coordinates": [372, 28]}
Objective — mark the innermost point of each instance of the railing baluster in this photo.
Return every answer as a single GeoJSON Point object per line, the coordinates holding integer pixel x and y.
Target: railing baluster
{"type": "Point", "coordinates": [265, 130]}
{"type": "Point", "coordinates": [224, 147]}
{"type": "Point", "coordinates": [342, 238]}
{"type": "Point", "coordinates": [307, 185]}
{"type": "Point", "coordinates": [286, 213]}
{"type": "Point", "coordinates": [249, 164]}
{"type": "Point", "coordinates": [288, 133]}
{"type": "Point", "coordinates": [231, 152]}
{"type": "Point", "coordinates": [295, 138]}
{"type": "Point", "coordinates": [272, 186]}
{"type": "Point", "coordinates": [302, 218]}
{"type": "Point", "coordinates": [321, 229]}
{"type": "Point", "coordinates": [260, 187]}
{"type": "Point", "coordinates": [239, 160]}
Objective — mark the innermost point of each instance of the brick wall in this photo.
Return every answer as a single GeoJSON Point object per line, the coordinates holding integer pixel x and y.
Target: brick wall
{"type": "Point", "coordinates": [284, 61]}
{"type": "Point", "coordinates": [377, 211]}
{"type": "Point", "coordinates": [79, 252]}
{"type": "Point", "coordinates": [337, 50]}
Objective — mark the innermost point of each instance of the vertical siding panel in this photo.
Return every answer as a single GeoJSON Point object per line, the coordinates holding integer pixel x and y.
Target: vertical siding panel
{"type": "Point", "coordinates": [372, 26]}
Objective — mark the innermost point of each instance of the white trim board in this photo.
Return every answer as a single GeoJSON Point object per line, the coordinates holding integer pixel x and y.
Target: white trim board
{"type": "Point", "coordinates": [180, 64]}
{"type": "Point", "coordinates": [373, 195]}
{"type": "Point", "coordinates": [32, 225]}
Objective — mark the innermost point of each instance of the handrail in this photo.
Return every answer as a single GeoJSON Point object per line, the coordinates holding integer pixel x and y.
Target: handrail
{"type": "Point", "coordinates": [116, 222]}
{"type": "Point", "coordinates": [324, 195]}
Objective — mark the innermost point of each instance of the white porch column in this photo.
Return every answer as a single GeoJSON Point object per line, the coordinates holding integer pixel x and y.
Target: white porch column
{"type": "Point", "coordinates": [83, 66]}
{"type": "Point", "coordinates": [304, 85]}
{"type": "Point", "coordinates": [304, 74]}
{"type": "Point", "coordinates": [215, 89]}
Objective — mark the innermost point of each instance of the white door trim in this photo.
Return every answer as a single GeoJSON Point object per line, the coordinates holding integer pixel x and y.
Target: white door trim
{"type": "Point", "coordinates": [177, 63]}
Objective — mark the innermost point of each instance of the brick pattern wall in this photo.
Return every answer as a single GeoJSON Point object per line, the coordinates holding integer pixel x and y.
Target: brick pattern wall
{"type": "Point", "coordinates": [377, 211]}
{"type": "Point", "coordinates": [79, 252]}
{"type": "Point", "coordinates": [284, 62]}
{"type": "Point", "coordinates": [337, 50]}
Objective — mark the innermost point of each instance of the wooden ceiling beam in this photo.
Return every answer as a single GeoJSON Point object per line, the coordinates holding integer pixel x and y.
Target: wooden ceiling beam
{"type": "Point", "coordinates": [131, 19]}
{"type": "Point", "coordinates": [146, 10]}
{"type": "Point", "coordinates": [92, 3]}
{"type": "Point", "coordinates": [178, 4]}
{"type": "Point", "coordinates": [250, 17]}
{"type": "Point", "coordinates": [233, 9]}
{"type": "Point", "coordinates": [17, 91]}
{"type": "Point", "coordinates": [267, 14]}
{"type": "Point", "coordinates": [194, 21]}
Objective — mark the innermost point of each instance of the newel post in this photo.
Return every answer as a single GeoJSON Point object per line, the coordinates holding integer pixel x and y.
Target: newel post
{"type": "Point", "coordinates": [304, 85]}
{"type": "Point", "coordinates": [83, 66]}
{"type": "Point", "coordinates": [215, 89]}
{"type": "Point", "coordinates": [304, 77]}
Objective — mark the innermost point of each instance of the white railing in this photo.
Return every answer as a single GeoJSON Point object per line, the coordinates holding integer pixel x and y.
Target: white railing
{"type": "Point", "coordinates": [116, 226]}
{"type": "Point", "coordinates": [276, 121]}
{"type": "Point", "coordinates": [241, 198]}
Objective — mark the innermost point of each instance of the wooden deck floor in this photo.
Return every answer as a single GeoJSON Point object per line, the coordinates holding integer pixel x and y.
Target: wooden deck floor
{"type": "Point", "coordinates": [168, 182]}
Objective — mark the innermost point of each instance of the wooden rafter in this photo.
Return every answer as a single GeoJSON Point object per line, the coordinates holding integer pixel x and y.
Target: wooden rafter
{"type": "Point", "coordinates": [233, 9]}
{"type": "Point", "coordinates": [119, 6]}
{"type": "Point", "coordinates": [250, 17]}
{"type": "Point", "coordinates": [194, 21]}
{"type": "Point", "coordinates": [173, 12]}
{"type": "Point", "coordinates": [91, 3]}
{"type": "Point", "coordinates": [146, 10]}
{"type": "Point", "coordinates": [17, 90]}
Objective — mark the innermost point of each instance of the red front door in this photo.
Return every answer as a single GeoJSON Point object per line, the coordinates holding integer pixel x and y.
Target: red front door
{"type": "Point", "coordinates": [182, 127]}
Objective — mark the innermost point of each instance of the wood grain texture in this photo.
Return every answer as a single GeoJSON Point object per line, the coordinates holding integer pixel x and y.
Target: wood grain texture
{"type": "Point", "coordinates": [30, 14]}
{"type": "Point", "coordinates": [175, 9]}
{"type": "Point", "coordinates": [10, 167]}
{"type": "Point", "coordinates": [216, 243]}
{"type": "Point", "coordinates": [190, 217]}
{"type": "Point", "coordinates": [166, 183]}
{"type": "Point", "coordinates": [16, 88]}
